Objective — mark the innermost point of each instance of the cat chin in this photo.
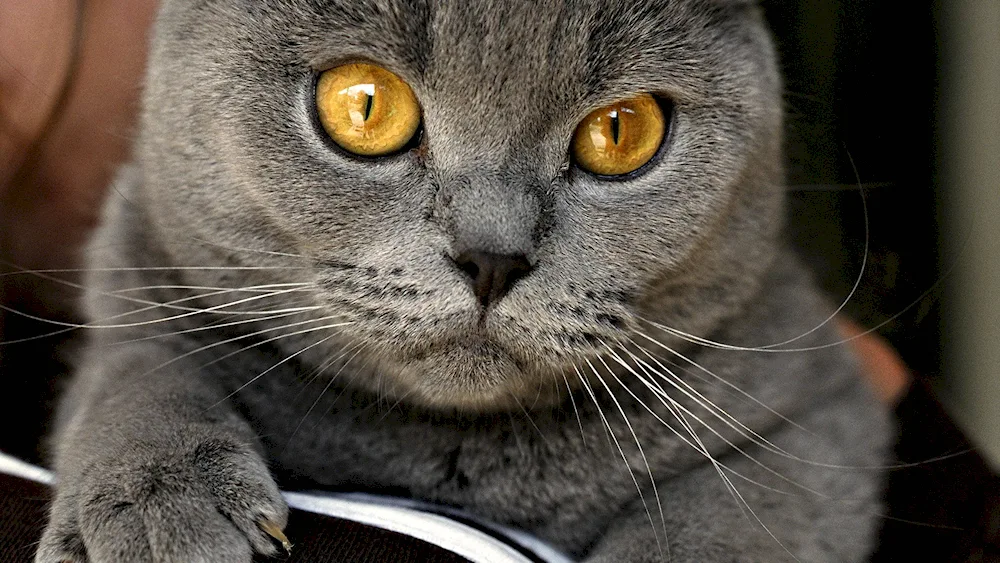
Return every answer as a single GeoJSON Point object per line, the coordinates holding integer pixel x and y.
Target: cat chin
{"type": "Point", "coordinates": [479, 377]}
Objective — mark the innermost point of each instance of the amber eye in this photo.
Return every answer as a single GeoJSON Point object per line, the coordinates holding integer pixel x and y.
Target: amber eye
{"type": "Point", "coordinates": [366, 109]}
{"type": "Point", "coordinates": [619, 138]}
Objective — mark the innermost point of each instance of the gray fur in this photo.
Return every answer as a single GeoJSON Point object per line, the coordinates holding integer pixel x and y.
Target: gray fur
{"type": "Point", "coordinates": [417, 392]}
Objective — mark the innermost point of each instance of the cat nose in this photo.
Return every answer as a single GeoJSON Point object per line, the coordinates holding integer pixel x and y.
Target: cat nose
{"type": "Point", "coordinates": [492, 275]}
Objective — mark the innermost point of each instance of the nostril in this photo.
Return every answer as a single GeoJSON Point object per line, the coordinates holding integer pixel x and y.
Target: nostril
{"type": "Point", "coordinates": [517, 271]}
{"type": "Point", "coordinates": [469, 267]}
{"type": "Point", "coordinates": [492, 275]}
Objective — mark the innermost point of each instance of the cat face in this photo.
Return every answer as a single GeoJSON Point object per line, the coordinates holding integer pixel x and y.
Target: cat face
{"type": "Point", "coordinates": [488, 191]}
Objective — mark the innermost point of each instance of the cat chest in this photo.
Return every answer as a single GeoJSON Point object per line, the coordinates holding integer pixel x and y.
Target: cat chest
{"type": "Point", "coordinates": [549, 481]}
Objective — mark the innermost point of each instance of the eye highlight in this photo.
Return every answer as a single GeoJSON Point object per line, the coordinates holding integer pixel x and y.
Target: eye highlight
{"type": "Point", "coordinates": [619, 138]}
{"type": "Point", "coordinates": [366, 109]}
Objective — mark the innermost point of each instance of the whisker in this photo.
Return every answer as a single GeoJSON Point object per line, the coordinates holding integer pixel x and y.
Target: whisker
{"type": "Point", "coordinates": [699, 398]}
{"type": "Point", "coordinates": [82, 287]}
{"type": "Point", "coordinates": [660, 392]}
{"type": "Point", "coordinates": [344, 350]}
{"type": "Point", "coordinates": [642, 453]}
{"type": "Point", "coordinates": [207, 327]}
{"type": "Point", "coordinates": [45, 272]}
{"type": "Point", "coordinates": [719, 379]}
{"type": "Point", "coordinates": [402, 397]}
{"type": "Point", "coordinates": [861, 271]}
{"type": "Point", "coordinates": [892, 318]}
{"type": "Point", "coordinates": [700, 447]}
{"type": "Point", "coordinates": [517, 438]}
{"type": "Point", "coordinates": [251, 335]}
{"type": "Point", "coordinates": [875, 328]}
{"type": "Point", "coordinates": [764, 443]}
{"type": "Point", "coordinates": [220, 309]}
{"type": "Point", "coordinates": [530, 420]}
{"type": "Point", "coordinates": [779, 451]}
{"type": "Point", "coordinates": [843, 303]}
{"type": "Point", "coordinates": [360, 347]}
{"type": "Point", "coordinates": [245, 249]}
{"type": "Point", "coordinates": [538, 396]}
{"type": "Point", "coordinates": [675, 409]}
{"type": "Point", "coordinates": [152, 305]}
{"type": "Point", "coordinates": [621, 452]}
{"type": "Point", "coordinates": [572, 401]}
{"type": "Point", "coordinates": [259, 288]}
{"type": "Point", "coordinates": [740, 500]}
{"type": "Point", "coordinates": [273, 367]}
{"type": "Point", "coordinates": [316, 373]}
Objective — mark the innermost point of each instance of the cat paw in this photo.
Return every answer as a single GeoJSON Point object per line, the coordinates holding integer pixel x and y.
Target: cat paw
{"type": "Point", "coordinates": [214, 503]}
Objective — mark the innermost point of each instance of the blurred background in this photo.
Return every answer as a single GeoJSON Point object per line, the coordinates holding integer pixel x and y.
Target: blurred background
{"type": "Point", "coordinates": [904, 102]}
{"type": "Point", "coordinates": [896, 102]}
{"type": "Point", "coordinates": [901, 100]}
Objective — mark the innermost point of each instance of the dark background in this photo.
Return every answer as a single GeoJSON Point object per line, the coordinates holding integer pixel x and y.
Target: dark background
{"type": "Point", "coordinates": [864, 82]}
{"type": "Point", "coordinates": [862, 103]}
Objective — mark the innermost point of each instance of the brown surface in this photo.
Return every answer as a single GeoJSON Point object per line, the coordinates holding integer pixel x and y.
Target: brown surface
{"type": "Point", "coordinates": [52, 179]}
{"type": "Point", "coordinates": [64, 128]}
{"type": "Point", "coordinates": [884, 370]}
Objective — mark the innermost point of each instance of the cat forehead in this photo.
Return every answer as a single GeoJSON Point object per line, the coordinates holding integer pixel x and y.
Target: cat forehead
{"type": "Point", "coordinates": [446, 43]}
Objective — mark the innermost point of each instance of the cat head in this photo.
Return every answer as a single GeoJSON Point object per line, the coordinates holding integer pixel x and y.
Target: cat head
{"type": "Point", "coordinates": [484, 257]}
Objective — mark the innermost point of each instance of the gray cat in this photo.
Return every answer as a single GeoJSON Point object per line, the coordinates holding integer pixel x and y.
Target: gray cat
{"type": "Point", "coordinates": [518, 257]}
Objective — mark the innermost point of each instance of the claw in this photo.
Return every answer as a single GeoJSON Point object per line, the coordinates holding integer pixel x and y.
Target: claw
{"type": "Point", "coordinates": [273, 530]}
